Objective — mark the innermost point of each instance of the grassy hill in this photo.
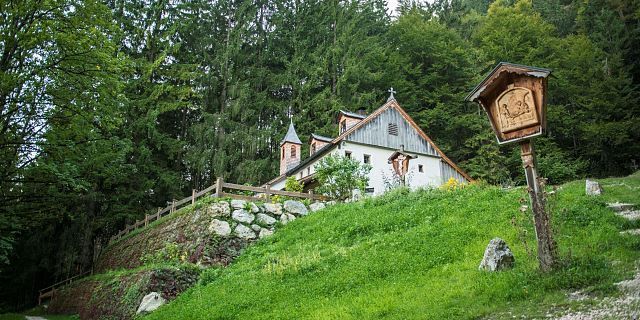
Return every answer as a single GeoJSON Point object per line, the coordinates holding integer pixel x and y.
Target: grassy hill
{"type": "Point", "coordinates": [409, 255]}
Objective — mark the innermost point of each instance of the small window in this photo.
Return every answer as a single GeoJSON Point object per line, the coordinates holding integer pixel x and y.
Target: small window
{"type": "Point", "coordinates": [347, 154]}
{"type": "Point", "coordinates": [313, 148]}
{"type": "Point", "coordinates": [309, 171]}
{"type": "Point", "coordinates": [293, 151]}
{"type": "Point", "coordinates": [393, 129]}
{"type": "Point", "coordinates": [300, 174]}
{"type": "Point", "coordinates": [367, 159]}
{"type": "Point", "coordinates": [343, 126]}
{"type": "Point", "coordinates": [420, 169]}
{"type": "Point", "coordinates": [369, 190]}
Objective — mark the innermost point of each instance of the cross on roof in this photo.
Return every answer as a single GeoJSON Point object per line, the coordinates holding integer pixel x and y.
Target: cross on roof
{"type": "Point", "coordinates": [391, 97]}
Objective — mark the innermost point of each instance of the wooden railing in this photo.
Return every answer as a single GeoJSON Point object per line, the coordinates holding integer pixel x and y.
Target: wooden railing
{"type": "Point", "coordinates": [219, 188]}
{"type": "Point", "coordinates": [50, 291]}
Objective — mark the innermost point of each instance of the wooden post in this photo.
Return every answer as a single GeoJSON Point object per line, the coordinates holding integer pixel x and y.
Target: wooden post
{"type": "Point", "coordinates": [219, 183]}
{"type": "Point", "coordinates": [193, 196]}
{"type": "Point", "coordinates": [158, 214]}
{"type": "Point", "coordinates": [546, 244]}
{"type": "Point", "coordinates": [146, 219]}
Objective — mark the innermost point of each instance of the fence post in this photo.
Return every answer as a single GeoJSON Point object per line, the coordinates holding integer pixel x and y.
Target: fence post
{"type": "Point", "coordinates": [146, 219]}
{"type": "Point", "coordinates": [267, 189]}
{"type": "Point", "coordinates": [193, 196]}
{"type": "Point", "coordinates": [158, 214]}
{"type": "Point", "coordinates": [173, 205]}
{"type": "Point", "coordinates": [219, 183]}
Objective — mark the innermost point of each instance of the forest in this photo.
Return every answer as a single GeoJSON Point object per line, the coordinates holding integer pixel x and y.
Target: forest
{"type": "Point", "coordinates": [109, 109]}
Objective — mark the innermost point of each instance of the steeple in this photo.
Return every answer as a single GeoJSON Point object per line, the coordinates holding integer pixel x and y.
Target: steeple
{"type": "Point", "coordinates": [291, 135]}
{"type": "Point", "coordinates": [290, 148]}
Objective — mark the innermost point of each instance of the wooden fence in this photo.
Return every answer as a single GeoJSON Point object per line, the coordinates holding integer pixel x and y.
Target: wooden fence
{"type": "Point", "coordinates": [50, 291]}
{"type": "Point", "coordinates": [219, 188]}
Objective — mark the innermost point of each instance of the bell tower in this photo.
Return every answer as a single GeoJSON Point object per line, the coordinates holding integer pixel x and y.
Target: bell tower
{"type": "Point", "coordinates": [290, 149]}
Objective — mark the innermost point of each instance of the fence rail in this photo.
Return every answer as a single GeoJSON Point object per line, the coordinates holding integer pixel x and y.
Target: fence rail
{"type": "Point", "coordinates": [218, 189]}
{"type": "Point", "coordinates": [50, 291]}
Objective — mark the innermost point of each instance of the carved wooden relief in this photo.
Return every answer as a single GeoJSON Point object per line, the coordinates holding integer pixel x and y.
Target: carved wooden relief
{"type": "Point", "coordinates": [516, 109]}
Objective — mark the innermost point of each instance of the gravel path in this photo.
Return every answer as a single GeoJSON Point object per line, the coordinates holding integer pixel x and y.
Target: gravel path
{"type": "Point", "coordinates": [34, 318]}
{"type": "Point", "coordinates": [625, 306]}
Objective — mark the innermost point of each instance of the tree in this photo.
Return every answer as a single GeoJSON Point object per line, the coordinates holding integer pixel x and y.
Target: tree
{"type": "Point", "coordinates": [339, 176]}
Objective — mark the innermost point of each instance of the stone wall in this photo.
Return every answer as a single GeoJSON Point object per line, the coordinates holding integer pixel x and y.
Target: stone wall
{"type": "Point", "coordinates": [208, 234]}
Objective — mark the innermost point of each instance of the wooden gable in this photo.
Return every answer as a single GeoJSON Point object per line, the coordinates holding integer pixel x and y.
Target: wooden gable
{"type": "Point", "coordinates": [390, 129]}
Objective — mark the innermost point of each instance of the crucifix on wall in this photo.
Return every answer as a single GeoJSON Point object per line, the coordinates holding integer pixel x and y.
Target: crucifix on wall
{"type": "Point", "coordinates": [399, 160]}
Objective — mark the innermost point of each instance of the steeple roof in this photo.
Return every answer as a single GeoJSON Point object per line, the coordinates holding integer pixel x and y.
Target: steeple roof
{"type": "Point", "coordinates": [291, 136]}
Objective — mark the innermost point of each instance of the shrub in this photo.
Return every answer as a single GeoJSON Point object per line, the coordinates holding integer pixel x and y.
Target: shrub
{"type": "Point", "coordinates": [293, 185]}
{"type": "Point", "coordinates": [339, 176]}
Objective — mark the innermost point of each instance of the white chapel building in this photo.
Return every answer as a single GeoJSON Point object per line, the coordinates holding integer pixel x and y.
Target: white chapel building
{"type": "Point", "coordinates": [387, 139]}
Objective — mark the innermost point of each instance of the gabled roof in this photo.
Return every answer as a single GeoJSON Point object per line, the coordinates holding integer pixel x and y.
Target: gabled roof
{"type": "Point", "coordinates": [394, 104]}
{"type": "Point", "coordinates": [351, 114]}
{"type": "Point", "coordinates": [391, 104]}
{"type": "Point", "coordinates": [291, 135]}
{"type": "Point", "coordinates": [320, 138]}
{"type": "Point", "coordinates": [506, 67]}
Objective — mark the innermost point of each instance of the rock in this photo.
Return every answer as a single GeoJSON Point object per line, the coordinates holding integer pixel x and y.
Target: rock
{"type": "Point", "coordinates": [330, 203]}
{"type": "Point", "coordinates": [295, 207]}
{"type": "Point", "coordinates": [286, 218]}
{"type": "Point", "coordinates": [620, 207]}
{"type": "Point", "coordinates": [242, 215]}
{"type": "Point", "coordinates": [218, 209]}
{"type": "Point", "coordinates": [265, 219]}
{"type": "Point", "coordinates": [150, 302]}
{"type": "Point", "coordinates": [238, 204]}
{"type": "Point", "coordinates": [265, 233]}
{"type": "Point", "coordinates": [256, 227]}
{"type": "Point", "coordinates": [244, 232]}
{"type": "Point", "coordinates": [220, 227]}
{"type": "Point", "coordinates": [274, 208]}
{"type": "Point", "coordinates": [316, 206]}
{"type": "Point", "coordinates": [593, 188]}
{"type": "Point", "coordinates": [254, 207]}
{"type": "Point", "coordinates": [497, 256]}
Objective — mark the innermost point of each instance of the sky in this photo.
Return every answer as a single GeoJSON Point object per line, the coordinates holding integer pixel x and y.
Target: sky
{"type": "Point", "coordinates": [391, 6]}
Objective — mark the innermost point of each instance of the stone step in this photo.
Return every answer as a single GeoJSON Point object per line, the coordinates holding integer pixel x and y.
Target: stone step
{"type": "Point", "coordinates": [619, 207]}
{"type": "Point", "coordinates": [630, 214]}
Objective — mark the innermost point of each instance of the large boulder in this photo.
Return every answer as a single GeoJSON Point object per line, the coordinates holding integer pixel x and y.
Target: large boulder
{"type": "Point", "coordinates": [265, 219]}
{"type": "Point", "coordinates": [220, 227]}
{"type": "Point", "coordinates": [295, 207]}
{"type": "Point", "coordinates": [593, 188]}
{"type": "Point", "coordinates": [273, 208]}
{"type": "Point", "coordinates": [316, 206]}
{"type": "Point", "coordinates": [244, 232]}
{"type": "Point", "coordinates": [150, 302]}
{"type": "Point", "coordinates": [497, 256]}
{"type": "Point", "coordinates": [286, 218]}
{"type": "Point", "coordinates": [238, 204]}
{"type": "Point", "coordinates": [265, 233]}
{"type": "Point", "coordinates": [242, 215]}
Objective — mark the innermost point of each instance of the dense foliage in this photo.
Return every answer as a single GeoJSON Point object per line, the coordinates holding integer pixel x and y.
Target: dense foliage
{"type": "Point", "coordinates": [108, 109]}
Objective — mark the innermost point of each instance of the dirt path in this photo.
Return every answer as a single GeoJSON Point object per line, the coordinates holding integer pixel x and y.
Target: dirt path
{"type": "Point", "coordinates": [34, 318]}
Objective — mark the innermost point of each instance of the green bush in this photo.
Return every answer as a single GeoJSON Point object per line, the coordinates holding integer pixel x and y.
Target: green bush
{"type": "Point", "coordinates": [340, 176]}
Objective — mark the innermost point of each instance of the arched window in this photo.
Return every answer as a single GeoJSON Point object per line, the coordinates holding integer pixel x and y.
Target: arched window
{"type": "Point", "coordinates": [293, 151]}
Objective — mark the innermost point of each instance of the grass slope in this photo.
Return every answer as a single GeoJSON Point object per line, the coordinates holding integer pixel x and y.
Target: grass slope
{"type": "Point", "coordinates": [415, 255]}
